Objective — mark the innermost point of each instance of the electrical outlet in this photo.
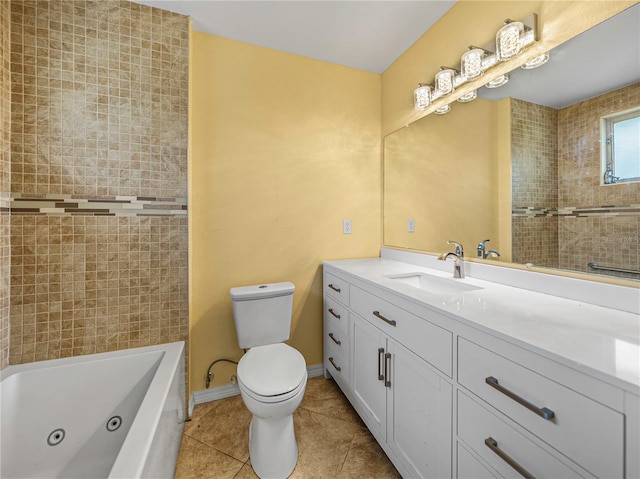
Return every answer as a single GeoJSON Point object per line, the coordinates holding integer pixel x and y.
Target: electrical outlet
{"type": "Point", "coordinates": [346, 227]}
{"type": "Point", "coordinates": [411, 226]}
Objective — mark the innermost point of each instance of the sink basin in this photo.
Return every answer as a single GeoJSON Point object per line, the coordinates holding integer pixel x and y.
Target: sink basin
{"type": "Point", "coordinates": [434, 284]}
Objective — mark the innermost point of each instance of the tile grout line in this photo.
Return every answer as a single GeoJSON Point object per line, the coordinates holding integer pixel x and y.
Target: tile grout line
{"type": "Point", "coordinates": [218, 450]}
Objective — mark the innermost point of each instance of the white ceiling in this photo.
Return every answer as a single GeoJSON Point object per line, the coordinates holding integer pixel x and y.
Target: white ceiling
{"type": "Point", "coordinates": [363, 34]}
{"type": "Point", "coordinates": [372, 34]}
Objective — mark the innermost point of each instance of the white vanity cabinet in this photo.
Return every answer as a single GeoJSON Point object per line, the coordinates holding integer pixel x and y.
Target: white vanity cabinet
{"type": "Point", "coordinates": [446, 398]}
{"type": "Point", "coordinates": [403, 399]}
{"type": "Point", "coordinates": [579, 427]}
{"type": "Point", "coordinates": [405, 403]}
{"type": "Point", "coordinates": [336, 330]}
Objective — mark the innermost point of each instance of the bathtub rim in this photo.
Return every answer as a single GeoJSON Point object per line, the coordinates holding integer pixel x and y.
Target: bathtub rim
{"type": "Point", "coordinates": [130, 461]}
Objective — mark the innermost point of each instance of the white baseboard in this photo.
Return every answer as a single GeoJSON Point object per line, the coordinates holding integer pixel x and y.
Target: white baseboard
{"type": "Point", "coordinates": [221, 392]}
{"type": "Point", "coordinates": [315, 370]}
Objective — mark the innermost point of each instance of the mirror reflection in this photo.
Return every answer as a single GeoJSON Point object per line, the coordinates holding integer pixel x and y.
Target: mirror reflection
{"type": "Point", "coordinates": [529, 165]}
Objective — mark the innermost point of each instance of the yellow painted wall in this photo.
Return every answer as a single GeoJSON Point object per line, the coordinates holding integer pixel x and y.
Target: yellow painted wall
{"type": "Point", "coordinates": [283, 148]}
{"type": "Point", "coordinates": [475, 22]}
{"type": "Point", "coordinates": [426, 178]}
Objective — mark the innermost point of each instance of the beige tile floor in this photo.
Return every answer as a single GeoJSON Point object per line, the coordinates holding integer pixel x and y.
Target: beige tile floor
{"type": "Point", "coordinates": [332, 440]}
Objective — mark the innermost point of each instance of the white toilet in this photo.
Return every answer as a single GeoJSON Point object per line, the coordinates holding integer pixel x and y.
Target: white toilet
{"type": "Point", "coordinates": [271, 375]}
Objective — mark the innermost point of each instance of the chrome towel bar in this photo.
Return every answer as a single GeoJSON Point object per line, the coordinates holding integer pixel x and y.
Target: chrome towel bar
{"type": "Point", "coordinates": [597, 267]}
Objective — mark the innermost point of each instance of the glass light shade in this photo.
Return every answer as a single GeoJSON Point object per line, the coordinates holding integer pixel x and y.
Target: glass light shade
{"type": "Point", "coordinates": [509, 40]}
{"type": "Point", "coordinates": [443, 110]}
{"type": "Point", "coordinates": [498, 82]}
{"type": "Point", "coordinates": [444, 81]}
{"type": "Point", "coordinates": [422, 97]}
{"type": "Point", "coordinates": [536, 62]}
{"type": "Point", "coordinates": [471, 64]}
{"type": "Point", "coordinates": [472, 95]}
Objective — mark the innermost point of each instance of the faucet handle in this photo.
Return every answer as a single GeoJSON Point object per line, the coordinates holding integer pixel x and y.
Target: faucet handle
{"type": "Point", "coordinates": [459, 248]}
{"type": "Point", "coordinates": [481, 248]}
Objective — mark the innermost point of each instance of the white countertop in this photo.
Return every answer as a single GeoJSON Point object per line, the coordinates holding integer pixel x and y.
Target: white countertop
{"type": "Point", "coordinates": [586, 337]}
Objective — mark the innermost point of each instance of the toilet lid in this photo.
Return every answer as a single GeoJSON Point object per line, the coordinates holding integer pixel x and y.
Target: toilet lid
{"type": "Point", "coordinates": [272, 370]}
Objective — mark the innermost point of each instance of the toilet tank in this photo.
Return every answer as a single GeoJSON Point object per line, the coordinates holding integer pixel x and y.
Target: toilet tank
{"type": "Point", "coordinates": [262, 313]}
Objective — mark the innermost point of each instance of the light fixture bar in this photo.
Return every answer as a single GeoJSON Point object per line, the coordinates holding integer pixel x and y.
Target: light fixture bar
{"type": "Point", "coordinates": [510, 41]}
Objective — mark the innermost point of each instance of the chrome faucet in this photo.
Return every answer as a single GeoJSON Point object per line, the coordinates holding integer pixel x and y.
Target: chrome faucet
{"type": "Point", "coordinates": [458, 259]}
{"type": "Point", "coordinates": [484, 253]}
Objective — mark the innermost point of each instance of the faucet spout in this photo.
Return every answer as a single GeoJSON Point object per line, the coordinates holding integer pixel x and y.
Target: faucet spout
{"type": "Point", "coordinates": [491, 252]}
{"type": "Point", "coordinates": [458, 263]}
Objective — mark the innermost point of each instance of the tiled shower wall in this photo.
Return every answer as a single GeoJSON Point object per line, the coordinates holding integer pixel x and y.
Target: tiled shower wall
{"type": "Point", "coordinates": [99, 177]}
{"type": "Point", "coordinates": [5, 177]}
{"type": "Point", "coordinates": [562, 215]}
{"type": "Point", "coordinates": [534, 170]}
{"type": "Point", "coordinates": [597, 223]}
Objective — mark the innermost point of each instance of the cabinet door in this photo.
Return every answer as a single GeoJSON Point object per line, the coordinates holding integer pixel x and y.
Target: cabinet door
{"type": "Point", "coordinates": [369, 348]}
{"type": "Point", "coordinates": [419, 423]}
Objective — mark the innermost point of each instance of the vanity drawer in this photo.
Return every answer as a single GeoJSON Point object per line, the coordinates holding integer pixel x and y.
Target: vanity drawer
{"type": "Point", "coordinates": [337, 362]}
{"type": "Point", "coordinates": [337, 288]}
{"type": "Point", "coordinates": [478, 427]}
{"type": "Point", "coordinates": [587, 432]}
{"type": "Point", "coordinates": [430, 342]}
{"type": "Point", "coordinates": [336, 315]}
{"type": "Point", "coordinates": [336, 342]}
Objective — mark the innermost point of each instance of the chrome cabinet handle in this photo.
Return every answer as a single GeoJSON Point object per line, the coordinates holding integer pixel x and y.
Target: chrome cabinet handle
{"type": "Point", "coordinates": [493, 445]}
{"type": "Point", "coordinates": [387, 370]}
{"type": "Point", "coordinates": [335, 315]}
{"type": "Point", "coordinates": [543, 412]}
{"type": "Point", "coordinates": [377, 314]}
{"type": "Point", "coordinates": [380, 354]}
{"type": "Point", "coordinates": [338, 368]}
{"type": "Point", "coordinates": [337, 341]}
{"type": "Point", "coordinates": [337, 290]}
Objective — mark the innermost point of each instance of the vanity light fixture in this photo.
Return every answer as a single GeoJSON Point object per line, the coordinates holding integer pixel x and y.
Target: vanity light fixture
{"type": "Point", "coordinates": [472, 95]}
{"type": "Point", "coordinates": [513, 37]}
{"type": "Point", "coordinates": [471, 63]}
{"type": "Point", "coordinates": [422, 96]}
{"type": "Point", "coordinates": [499, 81]}
{"type": "Point", "coordinates": [445, 81]}
{"type": "Point", "coordinates": [536, 62]}
{"type": "Point", "coordinates": [509, 40]}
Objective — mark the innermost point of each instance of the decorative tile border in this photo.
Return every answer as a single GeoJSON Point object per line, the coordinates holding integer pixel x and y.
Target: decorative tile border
{"type": "Point", "coordinates": [72, 205]}
{"type": "Point", "coordinates": [536, 212]}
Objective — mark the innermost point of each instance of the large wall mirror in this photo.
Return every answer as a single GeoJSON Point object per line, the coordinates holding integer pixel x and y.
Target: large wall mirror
{"type": "Point", "coordinates": [523, 165]}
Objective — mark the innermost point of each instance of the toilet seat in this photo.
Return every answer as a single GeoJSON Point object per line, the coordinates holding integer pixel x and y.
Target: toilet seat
{"type": "Point", "coordinates": [272, 373]}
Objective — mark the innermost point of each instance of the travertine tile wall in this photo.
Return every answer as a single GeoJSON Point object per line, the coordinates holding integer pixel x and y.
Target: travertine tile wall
{"type": "Point", "coordinates": [5, 177]}
{"type": "Point", "coordinates": [99, 118]}
{"type": "Point", "coordinates": [534, 164]}
{"type": "Point", "coordinates": [606, 224]}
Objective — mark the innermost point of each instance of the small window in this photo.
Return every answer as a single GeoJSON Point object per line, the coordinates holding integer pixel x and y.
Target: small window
{"type": "Point", "coordinates": [621, 147]}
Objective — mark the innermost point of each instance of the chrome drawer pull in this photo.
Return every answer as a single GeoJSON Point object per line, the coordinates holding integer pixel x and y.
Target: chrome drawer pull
{"type": "Point", "coordinates": [377, 314]}
{"type": "Point", "coordinates": [337, 341]}
{"type": "Point", "coordinates": [544, 412]}
{"type": "Point", "coordinates": [493, 445]}
{"type": "Point", "coordinates": [335, 315]}
{"type": "Point", "coordinates": [380, 354]}
{"type": "Point", "coordinates": [387, 370]}
{"type": "Point", "coordinates": [338, 368]}
{"type": "Point", "coordinates": [337, 290]}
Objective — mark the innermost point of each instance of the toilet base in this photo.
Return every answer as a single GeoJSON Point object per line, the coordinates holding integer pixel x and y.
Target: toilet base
{"type": "Point", "coordinates": [272, 447]}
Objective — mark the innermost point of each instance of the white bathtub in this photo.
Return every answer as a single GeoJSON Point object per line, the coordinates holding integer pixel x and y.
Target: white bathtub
{"type": "Point", "coordinates": [108, 415]}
